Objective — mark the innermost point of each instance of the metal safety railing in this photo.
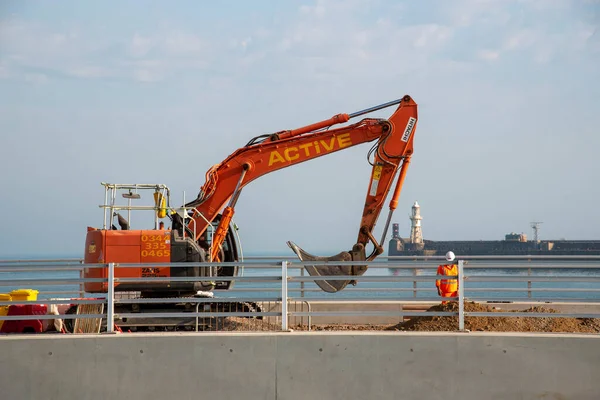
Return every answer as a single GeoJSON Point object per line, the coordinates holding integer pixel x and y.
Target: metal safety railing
{"type": "Point", "coordinates": [409, 281]}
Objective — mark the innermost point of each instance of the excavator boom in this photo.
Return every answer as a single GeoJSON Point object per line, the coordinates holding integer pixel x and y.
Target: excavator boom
{"type": "Point", "coordinates": [268, 153]}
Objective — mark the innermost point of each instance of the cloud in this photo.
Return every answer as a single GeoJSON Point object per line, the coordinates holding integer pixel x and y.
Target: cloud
{"type": "Point", "coordinates": [520, 40]}
{"type": "Point", "coordinates": [322, 38]}
{"type": "Point", "coordinates": [140, 45]}
{"type": "Point", "coordinates": [469, 13]}
{"type": "Point", "coordinates": [28, 45]}
{"type": "Point", "coordinates": [541, 29]}
{"type": "Point", "coordinates": [90, 71]}
{"type": "Point", "coordinates": [317, 11]}
{"type": "Point", "coordinates": [4, 73]}
{"type": "Point", "coordinates": [145, 75]}
{"type": "Point", "coordinates": [152, 58]}
{"type": "Point", "coordinates": [542, 45]}
{"type": "Point", "coordinates": [183, 44]}
{"type": "Point", "coordinates": [333, 36]}
{"type": "Point", "coordinates": [36, 78]}
{"type": "Point", "coordinates": [488, 55]}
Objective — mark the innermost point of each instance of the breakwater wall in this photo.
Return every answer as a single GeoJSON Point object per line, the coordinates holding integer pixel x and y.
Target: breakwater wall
{"type": "Point", "coordinates": [294, 365]}
{"type": "Point", "coordinates": [402, 247]}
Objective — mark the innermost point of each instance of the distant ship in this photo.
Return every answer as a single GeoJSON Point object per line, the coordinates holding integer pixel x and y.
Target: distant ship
{"type": "Point", "coordinates": [513, 244]}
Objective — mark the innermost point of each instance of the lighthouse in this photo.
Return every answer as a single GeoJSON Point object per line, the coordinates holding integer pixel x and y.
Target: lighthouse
{"type": "Point", "coordinates": [416, 234]}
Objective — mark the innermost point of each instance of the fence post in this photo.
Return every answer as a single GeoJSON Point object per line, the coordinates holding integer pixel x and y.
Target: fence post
{"type": "Point", "coordinates": [415, 273]}
{"type": "Point", "coordinates": [302, 295]}
{"type": "Point", "coordinates": [461, 297]}
{"type": "Point", "coordinates": [302, 283]}
{"type": "Point", "coordinates": [110, 297]}
{"type": "Point", "coordinates": [529, 283]}
{"type": "Point", "coordinates": [81, 284]}
{"type": "Point", "coordinates": [284, 296]}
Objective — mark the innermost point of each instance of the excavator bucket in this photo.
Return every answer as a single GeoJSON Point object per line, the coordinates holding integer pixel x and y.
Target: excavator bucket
{"type": "Point", "coordinates": [332, 286]}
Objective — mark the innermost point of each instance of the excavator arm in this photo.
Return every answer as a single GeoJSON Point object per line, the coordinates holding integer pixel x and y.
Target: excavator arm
{"type": "Point", "coordinates": [268, 153]}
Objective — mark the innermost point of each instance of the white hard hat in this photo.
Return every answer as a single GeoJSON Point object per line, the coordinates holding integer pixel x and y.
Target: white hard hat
{"type": "Point", "coordinates": [449, 256]}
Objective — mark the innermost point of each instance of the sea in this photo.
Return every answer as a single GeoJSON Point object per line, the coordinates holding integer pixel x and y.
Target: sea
{"type": "Point", "coordinates": [565, 281]}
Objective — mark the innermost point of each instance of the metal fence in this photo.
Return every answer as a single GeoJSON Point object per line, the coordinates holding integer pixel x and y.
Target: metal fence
{"type": "Point", "coordinates": [271, 289]}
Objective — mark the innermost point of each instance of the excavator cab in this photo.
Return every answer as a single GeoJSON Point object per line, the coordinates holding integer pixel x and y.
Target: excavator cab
{"type": "Point", "coordinates": [141, 227]}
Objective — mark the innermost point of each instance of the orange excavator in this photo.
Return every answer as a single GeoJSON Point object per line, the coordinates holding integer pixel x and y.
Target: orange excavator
{"type": "Point", "coordinates": [202, 230]}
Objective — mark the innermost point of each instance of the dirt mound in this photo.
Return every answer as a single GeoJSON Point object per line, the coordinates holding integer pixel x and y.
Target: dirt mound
{"type": "Point", "coordinates": [498, 324]}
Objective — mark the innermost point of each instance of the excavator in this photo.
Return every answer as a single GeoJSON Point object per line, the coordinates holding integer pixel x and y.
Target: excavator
{"type": "Point", "coordinates": [202, 230]}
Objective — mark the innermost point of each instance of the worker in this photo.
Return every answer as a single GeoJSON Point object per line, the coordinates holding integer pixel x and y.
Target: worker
{"type": "Point", "coordinates": [447, 287]}
{"type": "Point", "coordinates": [161, 225]}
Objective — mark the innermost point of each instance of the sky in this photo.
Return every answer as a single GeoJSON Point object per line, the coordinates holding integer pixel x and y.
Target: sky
{"type": "Point", "coordinates": [157, 92]}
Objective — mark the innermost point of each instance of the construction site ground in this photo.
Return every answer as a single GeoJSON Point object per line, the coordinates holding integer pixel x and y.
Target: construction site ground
{"type": "Point", "coordinates": [489, 324]}
{"type": "Point", "coordinates": [438, 323]}
{"type": "Point", "coordinates": [551, 324]}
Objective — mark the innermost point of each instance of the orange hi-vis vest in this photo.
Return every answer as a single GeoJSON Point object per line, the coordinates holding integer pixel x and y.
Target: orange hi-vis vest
{"type": "Point", "coordinates": [447, 285]}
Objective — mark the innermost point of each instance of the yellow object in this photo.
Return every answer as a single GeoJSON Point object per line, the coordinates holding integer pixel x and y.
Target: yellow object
{"type": "Point", "coordinates": [4, 309]}
{"type": "Point", "coordinates": [160, 201]}
{"type": "Point", "coordinates": [24, 294]}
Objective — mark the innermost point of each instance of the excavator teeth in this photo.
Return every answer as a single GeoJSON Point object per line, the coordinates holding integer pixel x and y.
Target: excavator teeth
{"type": "Point", "coordinates": [330, 286]}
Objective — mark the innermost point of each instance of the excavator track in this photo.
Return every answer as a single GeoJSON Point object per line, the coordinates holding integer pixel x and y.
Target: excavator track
{"type": "Point", "coordinates": [153, 324]}
{"type": "Point", "coordinates": [185, 323]}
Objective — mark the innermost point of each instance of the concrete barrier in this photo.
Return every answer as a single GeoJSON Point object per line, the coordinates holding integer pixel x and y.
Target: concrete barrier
{"type": "Point", "coordinates": [301, 365]}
